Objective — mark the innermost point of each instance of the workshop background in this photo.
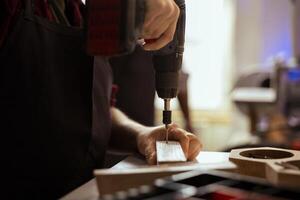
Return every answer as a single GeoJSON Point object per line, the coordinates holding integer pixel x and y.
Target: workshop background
{"type": "Point", "coordinates": [225, 39]}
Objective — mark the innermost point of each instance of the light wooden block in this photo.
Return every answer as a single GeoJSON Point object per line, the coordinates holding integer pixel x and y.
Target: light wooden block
{"type": "Point", "coordinates": [264, 162]}
{"type": "Point", "coordinates": [169, 152]}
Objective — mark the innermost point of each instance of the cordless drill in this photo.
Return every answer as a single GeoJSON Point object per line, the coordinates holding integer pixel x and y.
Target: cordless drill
{"type": "Point", "coordinates": [167, 63]}
{"type": "Point", "coordinates": [113, 28]}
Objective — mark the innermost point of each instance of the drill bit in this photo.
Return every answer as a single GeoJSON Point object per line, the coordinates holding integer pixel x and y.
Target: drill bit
{"type": "Point", "coordinates": [167, 134]}
{"type": "Point", "coordinates": [167, 117]}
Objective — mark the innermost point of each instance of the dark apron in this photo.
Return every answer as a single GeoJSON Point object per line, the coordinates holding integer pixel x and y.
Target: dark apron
{"type": "Point", "coordinates": [54, 108]}
{"type": "Point", "coordinates": [135, 76]}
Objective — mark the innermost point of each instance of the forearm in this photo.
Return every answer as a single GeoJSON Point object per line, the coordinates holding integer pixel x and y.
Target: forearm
{"type": "Point", "coordinates": [128, 135]}
{"type": "Point", "coordinates": [125, 132]}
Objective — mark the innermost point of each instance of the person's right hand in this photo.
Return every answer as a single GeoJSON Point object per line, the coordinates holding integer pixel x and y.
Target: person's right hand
{"type": "Point", "coordinates": [160, 23]}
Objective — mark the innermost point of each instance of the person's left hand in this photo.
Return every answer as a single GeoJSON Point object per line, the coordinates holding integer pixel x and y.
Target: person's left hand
{"type": "Point", "coordinates": [190, 144]}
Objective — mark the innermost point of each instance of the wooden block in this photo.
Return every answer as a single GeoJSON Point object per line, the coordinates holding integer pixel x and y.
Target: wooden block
{"type": "Point", "coordinates": [278, 166]}
{"type": "Point", "coordinates": [169, 152]}
{"type": "Point", "coordinates": [112, 181]}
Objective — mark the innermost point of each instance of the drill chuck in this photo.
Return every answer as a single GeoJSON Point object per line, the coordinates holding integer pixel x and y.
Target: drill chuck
{"type": "Point", "coordinates": [167, 113]}
{"type": "Point", "coordinates": [167, 117]}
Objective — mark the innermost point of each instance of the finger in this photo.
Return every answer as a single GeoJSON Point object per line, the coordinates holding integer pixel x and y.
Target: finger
{"type": "Point", "coordinates": [194, 147]}
{"type": "Point", "coordinates": [152, 159]}
{"type": "Point", "coordinates": [173, 126]}
{"type": "Point", "coordinates": [158, 26]}
{"type": "Point", "coordinates": [165, 10]}
{"type": "Point", "coordinates": [151, 17]}
{"type": "Point", "coordinates": [163, 40]}
{"type": "Point", "coordinates": [160, 134]}
{"type": "Point", "coordinates": [179, 135]}
{"type": "Point", "coordinates": [150, 155]}
{"type": "Point", "coordinates": [194, 155]}
{"type": "Point", "coordinates": [155, 33]}
{"type": "Point", "coordinates": [161, 23]}
{"type": "Point", "coordinates": [147, 31]}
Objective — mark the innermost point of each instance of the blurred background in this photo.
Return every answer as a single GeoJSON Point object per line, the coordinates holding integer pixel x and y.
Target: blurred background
{"type": "Point", "coordinates": [240, 61]}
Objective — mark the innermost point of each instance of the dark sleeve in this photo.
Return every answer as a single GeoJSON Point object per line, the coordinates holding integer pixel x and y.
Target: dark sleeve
{"type": "Point", "coordinates": [8, 11]}
{"type": "Point", "coordinates": [75, 10]}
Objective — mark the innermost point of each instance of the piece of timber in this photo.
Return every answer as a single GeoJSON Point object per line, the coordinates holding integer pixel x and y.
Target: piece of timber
{"type": "Point", "coordinates": [169, 152]}
{"type": "Point", "coordinates": [205, 161]}
{"type": "Point", "coordinates": [113, 180]}
{"type": "Point", "coordinates": [278, 166]}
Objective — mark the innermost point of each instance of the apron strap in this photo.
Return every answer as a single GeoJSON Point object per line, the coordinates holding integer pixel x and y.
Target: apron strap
{"type": "Point", "coordinates": [29, 5]}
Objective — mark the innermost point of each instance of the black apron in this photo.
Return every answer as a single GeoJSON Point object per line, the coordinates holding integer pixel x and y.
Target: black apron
{"type": "Point", "coordinates": [135, 75]}
{"type": "Point", "coordinates": [54, 107]}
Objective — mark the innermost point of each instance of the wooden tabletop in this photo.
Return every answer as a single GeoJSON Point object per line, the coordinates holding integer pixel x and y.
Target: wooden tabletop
{"type": "Point", "coordinates": [205, 161]}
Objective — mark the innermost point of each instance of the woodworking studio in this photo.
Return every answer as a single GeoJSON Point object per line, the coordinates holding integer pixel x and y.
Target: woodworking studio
{"type": "Point", "coordinates": [150, 99]}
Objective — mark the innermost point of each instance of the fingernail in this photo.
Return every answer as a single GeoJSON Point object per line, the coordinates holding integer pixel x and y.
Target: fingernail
{"type": "Point", "coordinates": [141, 42]}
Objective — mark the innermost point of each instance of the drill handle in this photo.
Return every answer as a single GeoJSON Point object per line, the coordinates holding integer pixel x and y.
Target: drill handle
{"type": "Point", "coordinates": [168, 61]}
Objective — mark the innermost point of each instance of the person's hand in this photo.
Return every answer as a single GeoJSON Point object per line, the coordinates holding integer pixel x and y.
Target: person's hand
{"type": "Point", "coordinates": [160, 23]}
{"type": "Point", "coordinates": [190, 144]}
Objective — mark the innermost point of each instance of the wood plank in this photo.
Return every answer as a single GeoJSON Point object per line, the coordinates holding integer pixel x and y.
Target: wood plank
{"type": "Point", "coordinates": [134, 165]}
{"type": "Point", "coordinates": [169, 152]}
{"type": "Point", "coordinates": [269, 163]}
{"type": "Point", "coordinates": [119, 179]}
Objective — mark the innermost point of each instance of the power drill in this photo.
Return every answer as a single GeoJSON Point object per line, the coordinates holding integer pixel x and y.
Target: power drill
{"type": "Point", "coordinates": [167, 63]}
{"type": "Point", "coordinates": [113, 28]}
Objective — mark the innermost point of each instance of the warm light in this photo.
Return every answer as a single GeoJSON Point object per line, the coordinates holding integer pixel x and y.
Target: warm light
{"type": "Point", "coordinates": [204, 55]}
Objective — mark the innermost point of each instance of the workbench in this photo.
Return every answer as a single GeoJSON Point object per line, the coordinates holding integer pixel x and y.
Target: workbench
{"type": "Point", "coordinates": [256, 101]}
{"type": "Point", "coordinates": [204, 161]}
